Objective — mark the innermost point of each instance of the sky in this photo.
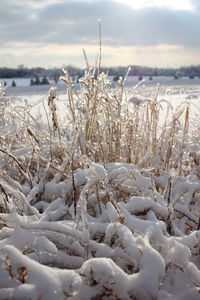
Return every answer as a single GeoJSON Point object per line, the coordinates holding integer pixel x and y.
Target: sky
{"type": "Point", "coordinates": [53, 33]}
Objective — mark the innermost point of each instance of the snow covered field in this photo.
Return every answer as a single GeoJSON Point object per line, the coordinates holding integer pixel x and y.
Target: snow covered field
{"type": "Point", "coordinates": [100, 193]}
{"type": "Point", "coordinates": [23, 87]}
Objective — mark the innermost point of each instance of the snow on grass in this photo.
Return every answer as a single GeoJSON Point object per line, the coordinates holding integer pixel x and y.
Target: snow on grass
{"type": "Point", "coordinates": [99, 194]}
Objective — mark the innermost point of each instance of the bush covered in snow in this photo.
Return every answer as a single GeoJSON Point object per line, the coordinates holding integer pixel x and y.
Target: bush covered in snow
{"type": "Point", "coordinates": [100, 201]}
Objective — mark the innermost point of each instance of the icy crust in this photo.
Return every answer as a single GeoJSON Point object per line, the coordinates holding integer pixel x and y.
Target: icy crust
{"type": "Point", "coordinates": [126, 241]}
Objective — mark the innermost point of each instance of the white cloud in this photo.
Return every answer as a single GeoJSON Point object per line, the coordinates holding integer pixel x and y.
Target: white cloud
{"type": "Point", "coordinates": [53, 32]}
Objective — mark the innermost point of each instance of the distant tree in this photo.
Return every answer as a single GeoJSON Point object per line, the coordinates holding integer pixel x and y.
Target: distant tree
{"type": "Point", "coordinates": [179, 74]}
{"type": "Point", "coordinates": [44, 80]}
{"type": "Point", "coordinates": [55, 74]}
{"type": "Point", "coordinates": [32, 82]}
{"type": "Point", "coordinates": [116, 78]}
{"type": "Point", "coordinates": [140, 77]}
{"type": "Point", "coordinates": [13, 84]}
{"type": "Point", "coordinates": [155, 72]}
{"type": "Point", "coordinates": [37, 80]}
{"type": "Point", "coordinates": [191, 76]}
{"type": "Point", "coordinates": [56, 77]}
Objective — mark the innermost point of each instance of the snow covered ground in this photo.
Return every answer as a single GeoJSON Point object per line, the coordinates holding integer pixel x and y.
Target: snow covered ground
{"type": "Point", "coordinates": [99, 193]}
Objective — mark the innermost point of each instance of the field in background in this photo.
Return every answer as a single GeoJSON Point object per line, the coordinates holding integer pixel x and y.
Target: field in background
{"type": "Point", "coordinates": [23, 85]}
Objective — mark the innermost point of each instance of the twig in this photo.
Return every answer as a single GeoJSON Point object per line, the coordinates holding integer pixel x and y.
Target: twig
{"type": "Point", "coordinates": [19, 166]}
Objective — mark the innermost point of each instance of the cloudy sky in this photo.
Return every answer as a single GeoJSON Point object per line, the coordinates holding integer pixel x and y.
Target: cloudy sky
{"type": "Point", "coordinates": [48, 33]}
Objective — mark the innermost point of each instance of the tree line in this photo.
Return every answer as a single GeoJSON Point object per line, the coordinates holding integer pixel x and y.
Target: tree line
{"type": "Point", "coordinates": [35, 73]}
{"type": "Point", "coordinates": [74, 72]}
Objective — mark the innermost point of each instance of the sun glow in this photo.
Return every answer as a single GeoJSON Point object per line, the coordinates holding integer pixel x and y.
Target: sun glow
{"type": "Point", "coordinates": [170, 4]}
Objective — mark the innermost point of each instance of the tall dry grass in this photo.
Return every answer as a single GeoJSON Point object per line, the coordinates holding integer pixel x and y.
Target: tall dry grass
{"type": "Point", "coordinates": [103, 124]}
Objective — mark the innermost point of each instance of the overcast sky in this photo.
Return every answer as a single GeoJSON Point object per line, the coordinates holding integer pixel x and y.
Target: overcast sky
{"type": "Point", "coordinates": [162, 33]}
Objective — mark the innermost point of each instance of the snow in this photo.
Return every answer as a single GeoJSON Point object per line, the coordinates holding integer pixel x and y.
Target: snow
{"type": "Point", "coordinates": [76, 227]}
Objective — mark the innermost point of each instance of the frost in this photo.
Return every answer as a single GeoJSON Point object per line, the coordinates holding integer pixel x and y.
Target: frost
{"type": "Point", "coordinates": [99, 199]}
